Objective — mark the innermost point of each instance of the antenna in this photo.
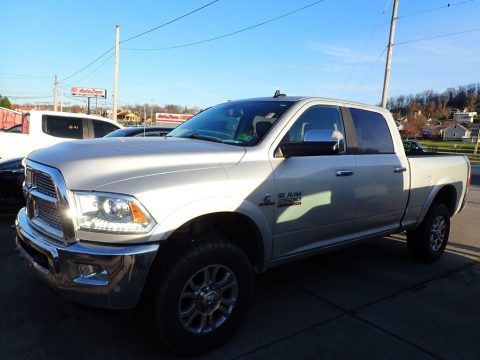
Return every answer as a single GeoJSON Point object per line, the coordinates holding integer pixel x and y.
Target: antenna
{"type": "Point", "coordinates": [278, 94]}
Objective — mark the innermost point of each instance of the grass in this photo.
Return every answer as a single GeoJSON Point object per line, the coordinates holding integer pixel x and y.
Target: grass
{"type": "Point", "coordinates": [459, 147]}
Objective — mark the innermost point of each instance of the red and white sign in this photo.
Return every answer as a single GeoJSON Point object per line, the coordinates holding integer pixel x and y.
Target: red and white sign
{"type": "Point", "coordinates": [89, 92]}
{"type": "Point", "coordinates": [171, 118]}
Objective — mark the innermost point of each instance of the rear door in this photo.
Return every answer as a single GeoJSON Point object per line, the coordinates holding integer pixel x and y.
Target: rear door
{"type": "Point", "coordinates": [381, 191]}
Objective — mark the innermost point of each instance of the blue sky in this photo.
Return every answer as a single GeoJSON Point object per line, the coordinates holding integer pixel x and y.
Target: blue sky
{"type": "Point", "coordinates": [332, 49]}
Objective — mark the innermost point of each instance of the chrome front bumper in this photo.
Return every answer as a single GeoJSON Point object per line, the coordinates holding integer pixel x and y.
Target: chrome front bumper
{"type": "Point", "coordinates": [117, 273]}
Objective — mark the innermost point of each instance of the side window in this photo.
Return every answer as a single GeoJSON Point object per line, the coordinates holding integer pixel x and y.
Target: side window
{"type": "Point", "coordinates": [102, 128]}
{"type": "Point", "coordinates": [62, 126]}
{"type": "Point", "coordinates": [373, 134]}
{"type": "Point", "coordinates": [318, 117]}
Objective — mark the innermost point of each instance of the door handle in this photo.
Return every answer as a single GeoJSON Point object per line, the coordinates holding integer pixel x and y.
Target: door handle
{"type": "Point", "coordinates": [399, 169]}
{"type": "Point", "coordinates": [344, 172]}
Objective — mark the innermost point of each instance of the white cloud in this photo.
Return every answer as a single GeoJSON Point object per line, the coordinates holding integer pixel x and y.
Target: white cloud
{"type": "Point", "coordinates": [343, 54]}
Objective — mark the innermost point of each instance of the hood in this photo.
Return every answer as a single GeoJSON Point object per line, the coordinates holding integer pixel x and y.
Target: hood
{"type": "Point", "coordinates": [89, 164]}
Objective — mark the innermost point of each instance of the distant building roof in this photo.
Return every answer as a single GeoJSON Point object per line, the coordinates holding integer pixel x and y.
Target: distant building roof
{"type": "Point", "coordinates": [459, 126]}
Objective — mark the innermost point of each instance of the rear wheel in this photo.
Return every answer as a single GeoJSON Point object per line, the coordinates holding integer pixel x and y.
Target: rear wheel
{"type": "Point", "coordinates": [203, 297]}
{"type": "Point", "coordinates": [427, 243]}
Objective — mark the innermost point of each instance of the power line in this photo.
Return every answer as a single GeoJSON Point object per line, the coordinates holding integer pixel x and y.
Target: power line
{"type": "Point", "coordinates": [98, 67]}
{"type": "Point", "coordinates": [87, 66]}
{"type": "Point", "coordinates": [169, 22]}
{"type": "Point", "coordinates": [437, 36]}
{"type": "Point", "coordinates": [449, 5]}
{"type": "Point", "coordinates": [30, 97]}
{"type": "Point", "coordinates": [354, 68]}
{"type": "Point", "coordinates": [13, 76]}
{"type": "Point", "coordinates": [131, 38]}
{"type": "Point", "coordinates": [232, 33]}
{"type": "Point", "coordinates": [76, 99]}
{"type": "Point", "coordinates": [369, 71]}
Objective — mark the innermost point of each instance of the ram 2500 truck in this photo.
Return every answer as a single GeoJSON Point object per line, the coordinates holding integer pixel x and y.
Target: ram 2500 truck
{"type": "Point", "coordinates": [186, 221]}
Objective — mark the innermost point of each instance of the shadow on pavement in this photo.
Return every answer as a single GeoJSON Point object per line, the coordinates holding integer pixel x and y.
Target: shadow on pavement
{"type": "Point", "coordinates": [367, 301]}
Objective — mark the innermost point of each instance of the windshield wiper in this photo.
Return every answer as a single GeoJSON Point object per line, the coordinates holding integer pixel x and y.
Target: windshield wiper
{"type": "Point", "coordinates": [203, 137]}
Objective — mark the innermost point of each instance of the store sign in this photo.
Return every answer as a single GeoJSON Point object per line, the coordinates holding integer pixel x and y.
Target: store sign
{"type": "Point", "coordinates": [89, 92]}
{"type": "Point", "coordinates": [171, 118]}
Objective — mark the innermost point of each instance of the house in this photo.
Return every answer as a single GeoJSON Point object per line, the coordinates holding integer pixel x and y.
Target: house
{"type": "Point", "coordinates": [432, 132]}
{"type": "Point", "coordinates": [456, 132]}
{"type": "Point", "coordinates": [464, 117]}
{"type": "Point", "coordinates": [126, 116]}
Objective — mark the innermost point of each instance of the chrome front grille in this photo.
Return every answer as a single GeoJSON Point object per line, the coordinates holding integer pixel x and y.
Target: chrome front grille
{"type": "Point", "coordinates": [49, 215]}
{"type": "Point", "coordinates": [44, 184]}
{"type": "Point", "coordinates": [47, 202]}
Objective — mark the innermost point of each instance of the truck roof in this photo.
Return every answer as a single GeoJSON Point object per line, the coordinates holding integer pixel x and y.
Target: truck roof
{"type": "Point", "coordinates": [69, 114]}
{"type": "Point", "coordinates": [316, 98]}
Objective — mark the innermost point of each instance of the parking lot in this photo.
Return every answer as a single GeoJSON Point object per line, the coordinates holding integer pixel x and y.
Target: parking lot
{"type": "Point", "coordinates": [370, 301]}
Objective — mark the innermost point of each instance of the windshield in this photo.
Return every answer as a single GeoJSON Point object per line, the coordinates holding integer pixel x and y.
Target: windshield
{"type": "Point", "coordinates": [121, 132]}
{"type": "Point", "coordinates": [242, 123]}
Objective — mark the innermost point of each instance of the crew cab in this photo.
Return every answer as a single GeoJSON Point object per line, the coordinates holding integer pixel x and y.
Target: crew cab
{"type": "Point", "coordinates": [187, 220]}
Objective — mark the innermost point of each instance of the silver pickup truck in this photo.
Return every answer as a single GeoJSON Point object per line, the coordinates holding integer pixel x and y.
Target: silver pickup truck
{"type": "Point", "coordinates": [185, 221]}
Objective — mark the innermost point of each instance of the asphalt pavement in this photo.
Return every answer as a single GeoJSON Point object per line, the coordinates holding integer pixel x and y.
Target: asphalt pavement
{"type": "Point", "coordinates": [370, 301]}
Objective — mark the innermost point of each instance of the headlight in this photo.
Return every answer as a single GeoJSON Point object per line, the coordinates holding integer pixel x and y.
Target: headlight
{"type": "Point", "coordinates": [115, 213]}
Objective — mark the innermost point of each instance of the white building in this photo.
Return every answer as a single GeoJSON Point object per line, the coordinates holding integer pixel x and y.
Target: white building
{"type": "Point", "coordinates": [456, 132]}
{"type": "Point", "coordinates": [464, 117]}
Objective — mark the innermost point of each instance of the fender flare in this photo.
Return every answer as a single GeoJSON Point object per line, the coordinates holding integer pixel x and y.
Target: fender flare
{"type": "Point", "coordinates": [206, 206]}
{"type": "Point", "coordinates": [442, 183]}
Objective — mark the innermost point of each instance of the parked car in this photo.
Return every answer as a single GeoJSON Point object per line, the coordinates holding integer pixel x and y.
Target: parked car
{"type": "Point", "coordinates": [187, 220]}
{"type": "Point", "coordinates": [414, 148]}
{"type": "Point", "coordinates": [145, 131]}
{"type": "Point", "coordinates": [11, 180]}
{"type": "Point", "coordinates": [44, 128]}
{"type": "Point", "coordinates": [40, 129]}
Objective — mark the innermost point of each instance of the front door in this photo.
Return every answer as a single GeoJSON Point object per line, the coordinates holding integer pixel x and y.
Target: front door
{"type": "Point", "coordinates": [314, 194]}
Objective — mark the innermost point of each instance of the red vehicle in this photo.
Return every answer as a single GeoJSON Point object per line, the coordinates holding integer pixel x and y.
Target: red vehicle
{"type": "Point", "coordinates": [9, 118]}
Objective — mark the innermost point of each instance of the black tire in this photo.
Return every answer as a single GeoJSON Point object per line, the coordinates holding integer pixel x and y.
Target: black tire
{"type": "Point", "coordinates": [427, 242]}
{"type": "Point", "coordinates": [202, 297]}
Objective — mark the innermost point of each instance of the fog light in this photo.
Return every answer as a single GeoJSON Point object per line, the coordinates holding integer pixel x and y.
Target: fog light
{"type": "Point", "coordinates": [91, 271]}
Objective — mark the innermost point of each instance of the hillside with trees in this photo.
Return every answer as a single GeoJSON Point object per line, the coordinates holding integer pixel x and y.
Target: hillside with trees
{"type": "Point", "coordinates": [434, 105]}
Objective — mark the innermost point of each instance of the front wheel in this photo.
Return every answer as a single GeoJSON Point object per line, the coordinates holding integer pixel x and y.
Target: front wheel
{"type": "Point", "coordinates": [203, 297]}
{"type": "Point", "coordinates": [427, 243]}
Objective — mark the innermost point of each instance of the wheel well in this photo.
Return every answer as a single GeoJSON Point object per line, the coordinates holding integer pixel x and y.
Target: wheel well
{"type": "Point", "coordinates": [447, 196]}
{"type": "Point", "coordinates": [234, 227]}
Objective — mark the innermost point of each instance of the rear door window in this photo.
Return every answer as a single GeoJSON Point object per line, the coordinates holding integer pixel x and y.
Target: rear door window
{"type": "Point", "coordinates": [62, 126]}
{"type": "Point", "coordinates": [373, 134]}
{"type": "Point", "coordinates": [102, 128]}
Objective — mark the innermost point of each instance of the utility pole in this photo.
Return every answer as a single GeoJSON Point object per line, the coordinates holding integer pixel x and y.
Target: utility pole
{"type": "Point", "coordinates": [478, 142]}
{"type": "Point", "coordinates": [115, 74]}
{"type": "Point", "coordinates": [55, 93]}
{"type": "Point", "coordinates": [386, 81]}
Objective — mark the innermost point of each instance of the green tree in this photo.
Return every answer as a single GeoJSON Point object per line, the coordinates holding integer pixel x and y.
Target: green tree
{"type": "Point", "coordinates": [4, 102]}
